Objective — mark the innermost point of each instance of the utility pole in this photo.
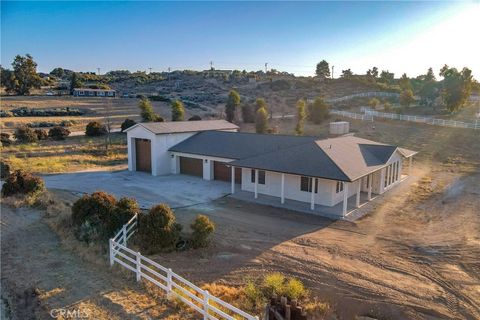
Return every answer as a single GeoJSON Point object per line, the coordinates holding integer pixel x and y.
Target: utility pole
{"type": "Point", "coordinates": [98, 71]}
{"type": "Point", "coordinates": [332, 71]}
{"type": "Point", "coordinates": [211, 65]}
{"type": "Point", "coordinates": [266, 64]}
{"type": "Point", "coordinates": [149, 70]}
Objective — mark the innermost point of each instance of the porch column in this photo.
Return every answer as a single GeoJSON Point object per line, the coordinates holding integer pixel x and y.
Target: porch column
{"type": "Point", "coordinates": [358, 193]}
{"type": "Point", "coordinates": [345, 198]}
{"type": "Point", "coordinates": [410, 160]}
{"type": "Point", "coordinates": [312, 195]}
{"type": "Point", "coordinates": [233, 179]}
{"type": "Point", "coordinates": [256, 183]}
{"type": "Point", "coordinates": [370, 183]}
{"type": "Point", "coordinates": [282, 192]}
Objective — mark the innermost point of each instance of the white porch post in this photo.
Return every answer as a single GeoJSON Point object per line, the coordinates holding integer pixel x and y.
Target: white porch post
{"type": "Point", "coordinates": [410, 160]}
{"type": "Point", "coordinates": [312, 195]}
{"type": "Point", "coordinates": [256, 183]}
{"type": "Point", "coordinates": [282, 192]}
{"type": "Point", "coordinates": [233, 179]}
{"type": "Point", "coordinates": [358, 193]}
{"type": "Point", "coordinates": [370, 183]}
{"type": "Point", "coordinates": [345, 197]}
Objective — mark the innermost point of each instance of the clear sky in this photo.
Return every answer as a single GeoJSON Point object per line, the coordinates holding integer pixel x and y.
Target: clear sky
{"type": "Point", "coordinates": [291, 36]}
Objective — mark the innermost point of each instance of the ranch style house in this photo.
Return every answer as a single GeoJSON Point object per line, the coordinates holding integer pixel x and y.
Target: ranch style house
{"type": "Point", "coordinates": [303, 169]}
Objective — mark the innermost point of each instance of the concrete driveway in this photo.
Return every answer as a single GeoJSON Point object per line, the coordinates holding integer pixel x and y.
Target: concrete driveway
{"type": "Point", "coordinates": [175, 190]}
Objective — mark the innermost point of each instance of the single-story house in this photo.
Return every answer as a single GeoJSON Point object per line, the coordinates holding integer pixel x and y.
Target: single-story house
{"type": "Point", "coordinates": [317, 172]}
{"type": "Point", "coordinates": [87, 92]}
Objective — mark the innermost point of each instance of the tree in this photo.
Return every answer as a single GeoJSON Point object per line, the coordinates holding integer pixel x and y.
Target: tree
{"type": "Point", "coordinates": [323, 70]}
{"type": "Point", "coordinates": [248, 116]}
{"type": "Point", "coordinates": [146, 111]}
{"type": "Point", "coordinates": [407, 98]}
{"type": "Point", "coordinates": [387, 106]}
{"type": "Point", "coordinates": [95, 129]}
{"type": "Point", "coordinates": [387, 77]}
{"type": "Point", "coordinates": [127, 124]}
{"type": "Point", "coordinates": [318, 110]}
{"type": "Point", "coordinates": [301, 115]}
{"type": "Point", "coordinates": [372, 73]}
{"type": "Point", "coordinates": [58, 133]}
{"type": "Point", "coordinates": [74, 82]}
{"type": "Point", "coordinates": [7, 80]}
{"type": "Point", "coordinates": [25, 134]}
{"type": "Point", "coordinates": [404, 82]}
{"type": "Point", "coordinates": [428, 93]}
{"type": "Point", "coordinates": [24, 76]}
{"type": "Point", "coordinates": [178, 111]}
{"type": "Point", "coordinates": [233, 102]}
{"type": "Point", "coordinates": [347, 74]}
{"type": "Point", "coordinates": [260, 103]}
{"type": "Point", "coordinates": [430, 76]}
{"type": "Point", "coordinates": [456, 87]}
{"type": "Point", "coordinates": [374, 102]}
{"type": "Point", "coordinates": [202, 228]}
{"type": "Point", "coordinates": [261, 120]}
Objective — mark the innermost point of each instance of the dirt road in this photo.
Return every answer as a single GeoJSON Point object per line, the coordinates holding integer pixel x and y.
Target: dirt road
{"type": "Point", "coordinates": [40, 278]}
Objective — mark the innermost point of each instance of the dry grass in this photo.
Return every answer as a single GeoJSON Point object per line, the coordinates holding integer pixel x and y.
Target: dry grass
{"type": "Point", "coordinates": [72, 154]}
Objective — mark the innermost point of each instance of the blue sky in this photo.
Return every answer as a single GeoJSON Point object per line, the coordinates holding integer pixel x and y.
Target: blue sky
{"type": "Point", "coordinates": [290, 36]}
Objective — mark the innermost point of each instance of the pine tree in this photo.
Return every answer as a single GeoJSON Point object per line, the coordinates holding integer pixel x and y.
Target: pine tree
{"type": "Point", "coordinates": [261, 120]}
{"type": "Point", "coordinates": [232, 104]}
{"type": "Point", "coordinates": [178, 111]}
{"type": "Point", "coordinates": [301, 115]}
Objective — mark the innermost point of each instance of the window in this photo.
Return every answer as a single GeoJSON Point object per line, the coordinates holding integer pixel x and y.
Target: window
{"type": "Point", "coordinates": [339, 186]}
{"type": "Point", "coordinates": [261, 176]}
{"type": "Point", "coordinates": [306, 184]}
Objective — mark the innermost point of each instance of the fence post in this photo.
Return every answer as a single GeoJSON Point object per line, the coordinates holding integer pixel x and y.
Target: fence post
{"type": "Point", "coordinates": [169, 281]}
{"type": "Point", "coordinates": [110, 246]}
{"type": "Point", "coordinates": [206, 301]}
{"type": "Point", "coordinates": [139, 266]}
{"type": "Point", "coordinates": [124, 234]}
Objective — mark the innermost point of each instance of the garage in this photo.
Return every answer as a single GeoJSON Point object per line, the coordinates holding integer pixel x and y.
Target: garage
{"type": "Point", "coordinates": [143, 155]}
{"type": "Point", "coordinates": [221, 171]}
{"type": "Point", "coordinates": [191, 166]}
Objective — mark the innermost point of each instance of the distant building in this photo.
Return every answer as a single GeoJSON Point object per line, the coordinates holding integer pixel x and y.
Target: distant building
{"type": "Point", "coordinates": [214, 73]}
{"type": "Point", "coordinates": [87, 92]}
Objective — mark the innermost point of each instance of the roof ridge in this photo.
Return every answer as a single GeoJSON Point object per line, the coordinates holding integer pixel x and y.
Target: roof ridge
{"type": "Point", "coordinates": [333, 161]}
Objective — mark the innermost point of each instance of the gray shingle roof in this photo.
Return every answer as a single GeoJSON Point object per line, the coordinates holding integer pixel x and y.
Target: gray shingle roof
{"type": "Point", "coordinates": [186, 126]}
{"type": "Point", "coordinates": [344, 158]}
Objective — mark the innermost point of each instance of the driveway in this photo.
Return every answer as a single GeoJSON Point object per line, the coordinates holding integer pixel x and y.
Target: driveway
{"type": "Point", "coordinates": [175, 190]}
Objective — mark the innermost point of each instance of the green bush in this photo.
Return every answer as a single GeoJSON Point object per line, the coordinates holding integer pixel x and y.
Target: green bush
{"type": "Point", "coordinates": [157, 229]}
{"type": "Point", "coordinates": [127, 124]}
{"type": "Point", "coordinates": [202, 228]}
{"type": "Point", "coordinates": [96, 208]}
{"type": "Point", "coordinates": [95, 129]}
{"type": "Point", "coordinates": [99, 215]}
{"type": "Point", "coordinates": [41, 134]}
{"type": "Point", "coordinates": [5, 139]}
{"type": "Point", "coordinates": [4, 170]}
{"type": "Point", "coordinates": [58, 133]}
{"type": "Point", "coordinates": [21, 182]}
{"type": "Point", "coordinates": [25, 134]}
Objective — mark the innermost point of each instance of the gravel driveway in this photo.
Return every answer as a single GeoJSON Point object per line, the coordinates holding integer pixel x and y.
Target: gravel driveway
{"type": "Point", "coordinates": [175, 190]}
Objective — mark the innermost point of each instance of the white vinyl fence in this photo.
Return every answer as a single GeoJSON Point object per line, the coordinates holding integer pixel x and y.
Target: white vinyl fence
{"type": "Point", "coordinates": [211, 307]}
{"type": "Point", "coordinates": [352, 115]}
{"type": "Point", "coordinates": [364, 94]}
{"type": "Point", "coordinates": [421, 119]}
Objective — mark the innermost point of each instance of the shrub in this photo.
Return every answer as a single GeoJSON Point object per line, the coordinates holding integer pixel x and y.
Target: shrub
{"type": "Point", "coordinates": [157, 229]}
{"type": "Point", "coordinates": [5, 139]}
{"type": "Point", "coordinates": [202, 228]}
{"type": "Point", "coordinates": [273, 284]}
{"type": "Point", "coordinates": [41, 134]}
{"type": "Point", "coordinates": [294, 289]}
{"type": "Point", "coordinates": [96, 208]}
{"type": "Point", "coordinates": [25, 135]}
{"type": "Point", "coordinates": [4, 170]}
{"type": "Point", "coordinates": [195, 118]}
{"type": "Point", "coordinates": [318, 111]}
{"type": "Point", "coordinates": [21, 182]}
{"type": "Point", "coordinates": [127, 124]}
{"type": "Point", "coordinates": [58, 133]}
{"type": "Point", "coordinates": [95, 129]}
{"type": "Point", "coordinates": [124, 210]}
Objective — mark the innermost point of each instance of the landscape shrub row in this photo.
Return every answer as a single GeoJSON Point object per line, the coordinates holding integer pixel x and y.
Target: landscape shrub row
{"type": "Point", "coordinates": [20, 183]}
{"type": "Point", "coordinates": [34, 112]}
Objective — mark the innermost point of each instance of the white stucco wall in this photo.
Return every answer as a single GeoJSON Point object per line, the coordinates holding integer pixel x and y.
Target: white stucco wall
{"type": "Point", "coordinates": [273, 185]}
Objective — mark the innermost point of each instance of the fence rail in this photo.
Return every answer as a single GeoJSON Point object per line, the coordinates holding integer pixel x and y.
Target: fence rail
{"type": "Point", "coordinates": [211, 307]}
{"type": "Point", "coordinates": [364, 94]}
{"type": "Point", "coordinates": [352, 115]}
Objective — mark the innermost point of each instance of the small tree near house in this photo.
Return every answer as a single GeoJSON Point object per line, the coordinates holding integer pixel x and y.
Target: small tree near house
{"type": "Point", "coordinates": [202, 228]}
{"type": "Point", "coordinates": [301, 115]}
{"type": "Point", "coordinates": [261, 120]}
{"type": "Point", "coordinates": [178, 111]}
{"type": "Point", "coordinates": [233, 102]}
